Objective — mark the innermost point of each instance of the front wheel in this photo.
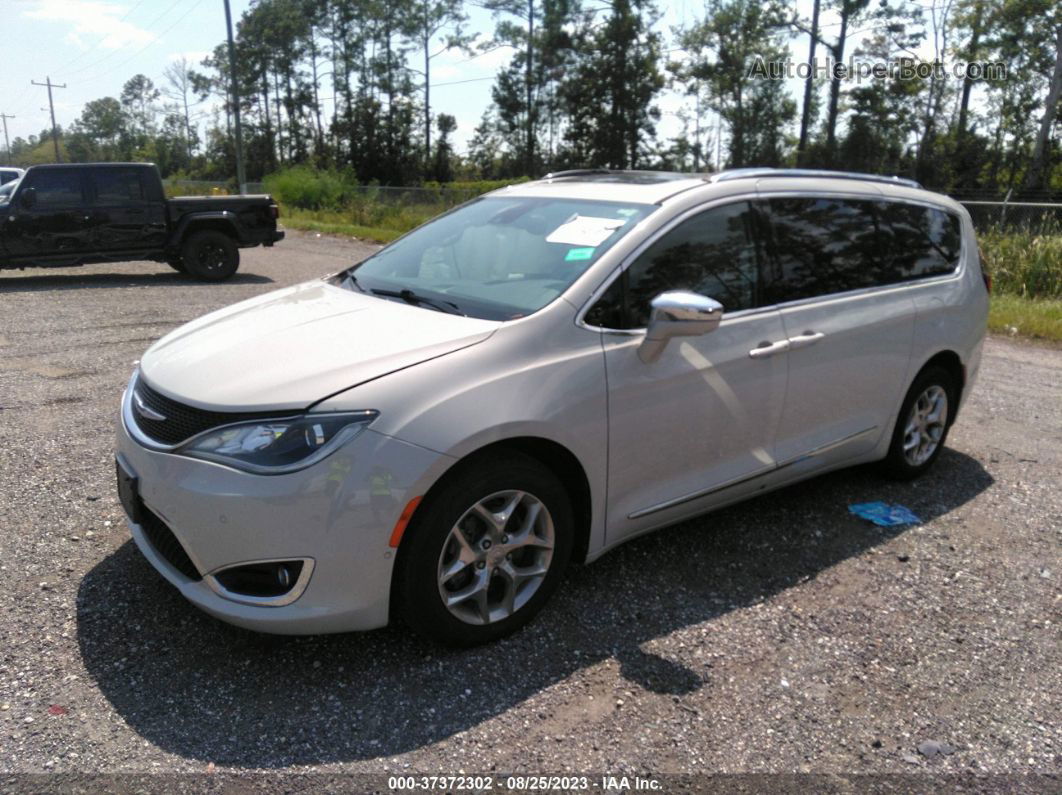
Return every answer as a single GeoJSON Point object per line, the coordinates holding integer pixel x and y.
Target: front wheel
{"type": "Point", "coordinates": [922, 424]}
{"type": "Point", "coordinates": [485, 551]}
{"type": "Point", "coordinates": [210, 255]}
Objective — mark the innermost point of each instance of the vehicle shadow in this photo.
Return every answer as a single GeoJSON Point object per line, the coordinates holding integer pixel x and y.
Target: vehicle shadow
{"type": "Point", "coordinates": [78, 281]}
{"type": "Point", "coordinates": [201, 689]}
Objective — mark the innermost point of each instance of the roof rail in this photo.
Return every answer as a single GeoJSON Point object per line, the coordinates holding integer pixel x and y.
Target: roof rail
{"type": "Point", "coordinates": [577, 172]}
{"type": "Point", "coordinates": [747, 173]}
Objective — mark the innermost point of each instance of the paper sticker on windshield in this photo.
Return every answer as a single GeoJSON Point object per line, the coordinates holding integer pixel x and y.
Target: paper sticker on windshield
{"type": "Point", "coordinates": [585, 230]}
{"type": "Point", "coordinates": [576, 254]}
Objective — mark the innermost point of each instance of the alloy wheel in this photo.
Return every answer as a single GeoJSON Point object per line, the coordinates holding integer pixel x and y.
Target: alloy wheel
{"type": "Point", "coordinates": [496, 557]}
{"type": "Point", "coordinates": [926, 424]}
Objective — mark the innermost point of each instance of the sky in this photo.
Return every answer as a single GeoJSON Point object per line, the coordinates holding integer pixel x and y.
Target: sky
{"type": "Point", "coordinates": [94, 46]}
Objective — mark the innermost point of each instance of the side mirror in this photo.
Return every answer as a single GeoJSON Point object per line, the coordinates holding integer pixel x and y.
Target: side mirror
{"type": "Point", "coordinates": [28, 198]}
{"type": "Point", "coordinates": [678, 314]}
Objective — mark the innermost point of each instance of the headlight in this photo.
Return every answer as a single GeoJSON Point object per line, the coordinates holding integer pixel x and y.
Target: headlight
{"type": "Point", "coordinates": [275, 447]}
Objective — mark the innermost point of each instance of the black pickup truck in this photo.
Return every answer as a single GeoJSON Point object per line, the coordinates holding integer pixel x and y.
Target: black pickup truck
{"type": "Point", "coordinates": [114, 212]}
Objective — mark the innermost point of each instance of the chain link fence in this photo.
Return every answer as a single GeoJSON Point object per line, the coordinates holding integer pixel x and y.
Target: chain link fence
{"type": "Point", "coordinates": [1036, 217]}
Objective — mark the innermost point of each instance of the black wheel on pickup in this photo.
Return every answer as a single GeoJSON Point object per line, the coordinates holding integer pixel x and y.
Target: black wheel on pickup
{"type": "Point", "coordinates": [210, 255]}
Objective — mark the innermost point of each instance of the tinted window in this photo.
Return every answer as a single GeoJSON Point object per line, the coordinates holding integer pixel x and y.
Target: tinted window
{"type": "Point", "coordinates": [7, 176]}
{"type": "Point", "coordinates": [713, 254]}
{"type": "Point", "coordinates": [117, 185]}
{"type": "Point", "coordinates": [927, 240]}
{"type": "Point", "coordinates": [824, 245]}
{"type": "Point", "coordinates": [57, 188]}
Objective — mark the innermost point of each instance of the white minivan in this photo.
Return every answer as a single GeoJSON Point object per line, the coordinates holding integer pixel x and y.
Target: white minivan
{"type": "Point", "coordinates": [537, 376]}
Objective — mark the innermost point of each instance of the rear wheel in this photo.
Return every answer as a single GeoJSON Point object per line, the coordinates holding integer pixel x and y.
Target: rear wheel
{"type": "Point", "coordinates": [922, 425]}
{"type": "Point", "coordinates": [210, 255]}
{"type": "Point", "coordinates": [485, 551]}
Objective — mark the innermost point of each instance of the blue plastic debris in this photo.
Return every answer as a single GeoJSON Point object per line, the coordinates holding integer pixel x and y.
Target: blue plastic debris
{"type": "Point", "coordinates": [881, 513]}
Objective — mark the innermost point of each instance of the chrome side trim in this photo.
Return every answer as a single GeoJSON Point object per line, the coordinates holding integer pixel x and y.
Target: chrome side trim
{"type": "Point", "coordinates": [262, 601]}
{"type": "Point", "coordinates": [825, 448]}
{"type": "Point", "coordinates": [662, 506]}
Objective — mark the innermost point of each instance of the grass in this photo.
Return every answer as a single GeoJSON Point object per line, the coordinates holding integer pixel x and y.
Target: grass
{"type": "Point", "coordinates": [333, 222]}
{"type": "Point", "coordinates": [1024, 263]}
{"type": "Point", "coordinates": [1035, 318]}
{"type": "Point", "coordinates": [1026, 271]}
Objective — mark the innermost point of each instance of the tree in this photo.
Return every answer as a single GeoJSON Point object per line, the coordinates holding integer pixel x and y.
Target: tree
{"type": "Point", "coordinates": [1038, 173]}
{"type": "Point", "coordinates": [528, 87]}
{"type": "Point", "coordinates": [435, 17]}
{"type": "Point", "coordinates": [138, 99]}
{"type": "Point", "coordinates": [608, 96]}
{"type": "Point", "coordinates": [442, 169]}
{"type": "Point", "coordinates": [99, 132]}
{"type": "Point", "coordinates": [723, 50]}
{"type": "Point", "coordinates": [179, 87]}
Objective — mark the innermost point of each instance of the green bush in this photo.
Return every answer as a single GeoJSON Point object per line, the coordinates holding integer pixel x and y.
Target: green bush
{"type": "Point", "coordinates": [310, 188]}
{"type": "Point", "coordinates": [1024, 263]}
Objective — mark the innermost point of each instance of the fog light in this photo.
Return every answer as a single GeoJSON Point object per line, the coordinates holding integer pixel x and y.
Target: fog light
{"type": "Point", "coordinates": [284, 578]}
{"type": "Point", "coordinates": [261, 580]}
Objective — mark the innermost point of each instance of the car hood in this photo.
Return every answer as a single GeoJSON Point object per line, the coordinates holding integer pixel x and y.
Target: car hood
{"type": "Point", "coordinates": [291, 348]}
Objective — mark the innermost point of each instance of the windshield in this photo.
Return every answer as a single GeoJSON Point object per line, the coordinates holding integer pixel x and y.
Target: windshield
{"type": "Point", "coordinates": [497, 258]}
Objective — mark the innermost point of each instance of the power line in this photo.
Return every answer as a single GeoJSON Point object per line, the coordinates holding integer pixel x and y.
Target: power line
{"type": "Point", "coordinates": [51, 107]}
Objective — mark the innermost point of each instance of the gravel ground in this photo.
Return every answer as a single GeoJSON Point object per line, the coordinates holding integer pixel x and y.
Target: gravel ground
{"type": "Point", "coordinates": [782, 635]}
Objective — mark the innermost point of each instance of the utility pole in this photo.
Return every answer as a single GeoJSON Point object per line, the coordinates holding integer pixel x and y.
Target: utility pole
{"type": "Point", "coordinates": [51, 107]}
{"type": "Point", "coordinates": [7, 144]}
{"type": "Point", "coordinates": [241, 175]}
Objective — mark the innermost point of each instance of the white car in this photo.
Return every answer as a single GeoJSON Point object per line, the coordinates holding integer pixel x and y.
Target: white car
{"type": "Point", "coordinates": [10, 174]}
{"type": "Point", "coordinates": [538, 376]}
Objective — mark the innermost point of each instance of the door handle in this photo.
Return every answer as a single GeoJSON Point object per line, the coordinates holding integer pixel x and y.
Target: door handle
{"type": "Point", "coordinates": [805, 339]}
{"type": "Point", "coordinates": [767, 349]}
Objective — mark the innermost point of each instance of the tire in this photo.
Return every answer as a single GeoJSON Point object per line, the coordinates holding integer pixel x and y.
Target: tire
{"type": "Point", "coordinates": [504, 581]}
{"type": "Point", "coordinates": [210, 255]}
{"type": "Point", "coordinates": [928, 410]}
{"type": "Point", "coordinates": [177, 265]}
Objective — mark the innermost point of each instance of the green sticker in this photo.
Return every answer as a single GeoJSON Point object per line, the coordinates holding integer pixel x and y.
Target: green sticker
{"type": "Point", "coordinates": [576, 254]}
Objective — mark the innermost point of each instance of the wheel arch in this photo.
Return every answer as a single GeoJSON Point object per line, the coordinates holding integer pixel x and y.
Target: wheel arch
{"type": "Point", "coordinates": [950, 361]}
{"type": "Point", "coordinates": [553, 456]}
{"type": "Point", "coordinates": [219, 222]}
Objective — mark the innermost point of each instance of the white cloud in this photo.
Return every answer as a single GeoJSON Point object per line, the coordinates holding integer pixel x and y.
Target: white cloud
{"type": "Point", "coordinates": [93, 24]}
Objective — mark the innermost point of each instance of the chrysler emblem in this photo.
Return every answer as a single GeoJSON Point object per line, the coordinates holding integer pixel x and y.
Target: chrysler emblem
{"type": "Point", "coordinates": [144, 410]}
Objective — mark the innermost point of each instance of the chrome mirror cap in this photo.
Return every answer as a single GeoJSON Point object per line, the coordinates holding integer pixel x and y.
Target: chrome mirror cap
{"type": "Point", "coordinates": [678, 313]}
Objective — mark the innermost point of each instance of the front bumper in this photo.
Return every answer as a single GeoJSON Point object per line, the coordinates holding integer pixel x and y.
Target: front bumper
{"type": "Point", "coordinates": [325, 514]}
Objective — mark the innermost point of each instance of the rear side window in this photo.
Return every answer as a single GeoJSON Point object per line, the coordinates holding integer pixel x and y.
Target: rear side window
{"type": "Point", "coordinates": [713, 253]}
{"type": "Point", "coordinates": [927, 241]}
{"type": "Point", "coordinates": [117, 185]}
{"type": "Point", "coordinates": [824, 245]}
{"type": "Point", "coordinates": [57, 188]}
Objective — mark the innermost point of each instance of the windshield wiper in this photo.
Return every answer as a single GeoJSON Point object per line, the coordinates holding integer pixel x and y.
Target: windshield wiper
{"type": "Point", "coordinates": [351, 279]}
{"type": "Point", "coordinates": [411, 297]}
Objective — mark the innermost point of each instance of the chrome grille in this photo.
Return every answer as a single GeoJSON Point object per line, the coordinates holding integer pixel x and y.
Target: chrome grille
{"type": "Point", "coordinates": [179, 422]}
